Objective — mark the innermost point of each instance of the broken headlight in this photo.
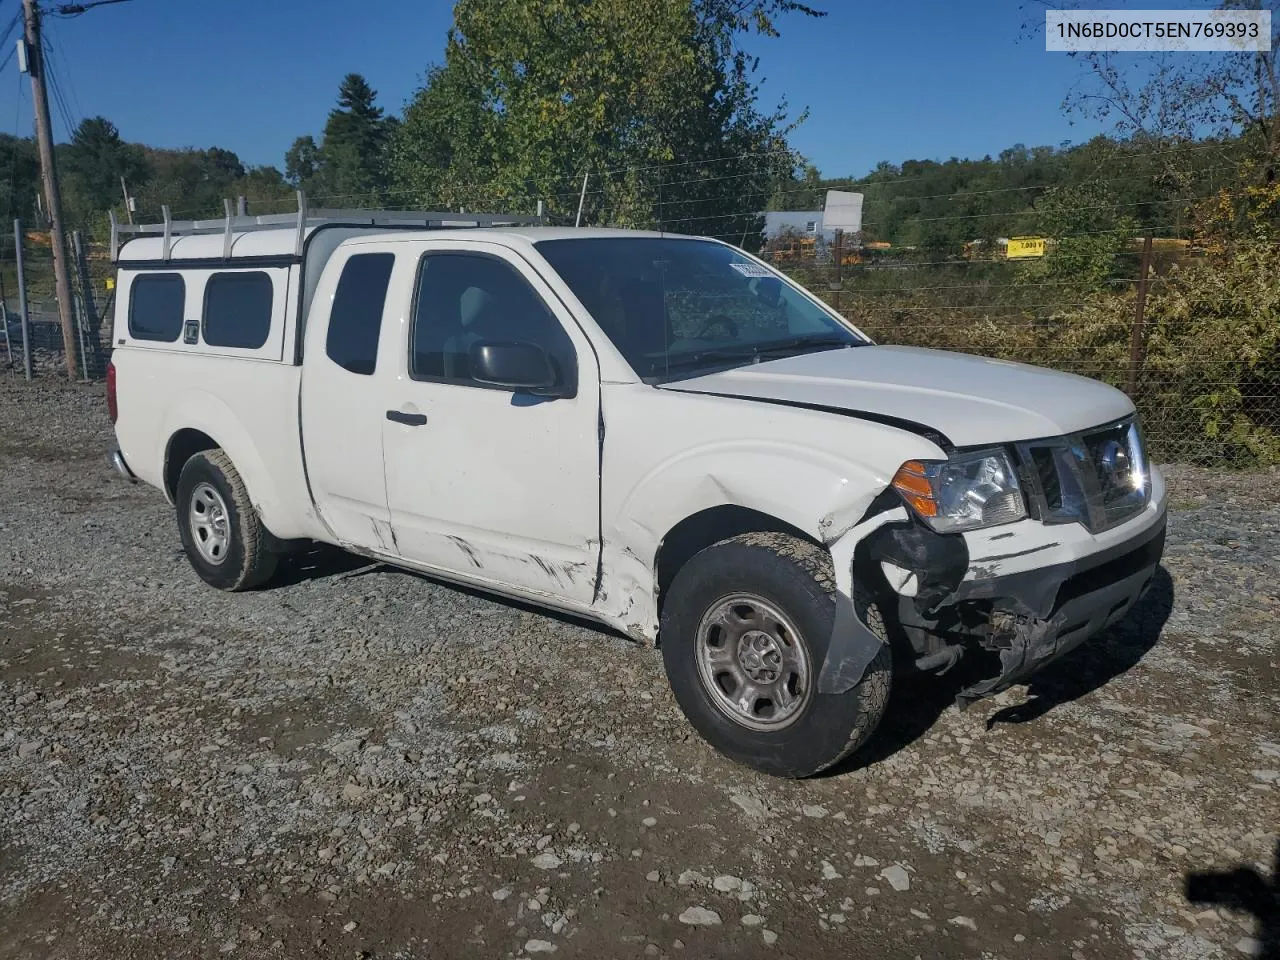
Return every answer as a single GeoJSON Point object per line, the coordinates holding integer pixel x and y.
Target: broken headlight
{"type": "Point", "coordinates": [969, 491]}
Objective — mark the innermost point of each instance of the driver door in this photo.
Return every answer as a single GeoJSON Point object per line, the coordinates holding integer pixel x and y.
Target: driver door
{"type": "Point", "coordinates": [490, 483]}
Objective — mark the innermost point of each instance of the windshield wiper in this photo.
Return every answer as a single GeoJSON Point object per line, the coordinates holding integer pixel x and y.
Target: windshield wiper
{"type": "Point", "coordinates": [749, 352]}
{"type": "Point", "coordinates": [802, 343]}
{"type": "Point", "coordinates": [713, 355]}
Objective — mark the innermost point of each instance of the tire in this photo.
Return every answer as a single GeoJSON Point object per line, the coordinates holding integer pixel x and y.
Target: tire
{"type": "Point", "coordinates": [221, 532]}
{"type": "Point", "coordinates": [780, 629]}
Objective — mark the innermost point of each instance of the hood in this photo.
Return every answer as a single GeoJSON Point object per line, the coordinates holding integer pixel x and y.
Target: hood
{"type": "Point", "coordinates": [971, 400]}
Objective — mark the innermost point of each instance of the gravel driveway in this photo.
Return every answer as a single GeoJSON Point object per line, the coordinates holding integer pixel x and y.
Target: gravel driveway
{"type": "Point", "coordinates": [364, 763]}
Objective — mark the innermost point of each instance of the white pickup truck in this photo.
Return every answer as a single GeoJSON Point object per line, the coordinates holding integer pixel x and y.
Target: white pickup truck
{"type": "Point", "coordinates": [658, 432]}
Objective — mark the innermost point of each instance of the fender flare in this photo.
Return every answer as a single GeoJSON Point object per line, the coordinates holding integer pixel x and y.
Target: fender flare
{"type": "Point", "coordinates": [200, 410]}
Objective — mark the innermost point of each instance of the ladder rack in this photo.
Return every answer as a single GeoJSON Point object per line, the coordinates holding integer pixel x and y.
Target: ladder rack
{"type": "Point", "coordinates": [238, 221]}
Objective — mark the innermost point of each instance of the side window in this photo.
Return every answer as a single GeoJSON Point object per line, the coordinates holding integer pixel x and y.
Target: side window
{"type": "Point", "coordinates": [157, 302]}
{"type": "Point", "coordinates": [466, 298]}
{"type": "Point", "coordinates": [356, 320]}
{"type": "Point", "coordinates": [237, 310]}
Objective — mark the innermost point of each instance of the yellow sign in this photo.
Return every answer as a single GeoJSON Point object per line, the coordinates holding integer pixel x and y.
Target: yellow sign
{"type": "Point", "coordinates": [1021, 248]}
{"type": "Point", "coordinates": [111, 283]}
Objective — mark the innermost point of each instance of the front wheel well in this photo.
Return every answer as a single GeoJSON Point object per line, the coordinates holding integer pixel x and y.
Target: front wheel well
{"type": "Point", "coordinates": [699, 531]}
{"type": "Point", "coordinates": [183, 445]}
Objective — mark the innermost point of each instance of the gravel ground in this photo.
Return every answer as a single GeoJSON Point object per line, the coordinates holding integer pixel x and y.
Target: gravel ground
{"type": "Point", "coordinates": [364, 763]}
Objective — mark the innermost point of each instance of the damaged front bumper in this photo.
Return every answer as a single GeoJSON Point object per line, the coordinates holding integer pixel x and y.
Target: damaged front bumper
{"type": "Point", "coordinates": [1036, 616]}
{"type": "Point", "coordinates": [1029, 592]}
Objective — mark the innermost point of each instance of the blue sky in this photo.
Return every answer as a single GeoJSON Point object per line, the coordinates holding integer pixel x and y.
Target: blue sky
{"type": "Point", "coordinates": [882, 81]}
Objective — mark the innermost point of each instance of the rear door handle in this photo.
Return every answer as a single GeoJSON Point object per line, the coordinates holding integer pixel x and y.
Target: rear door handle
{"type": "Point", "coordinates": [408, 419]}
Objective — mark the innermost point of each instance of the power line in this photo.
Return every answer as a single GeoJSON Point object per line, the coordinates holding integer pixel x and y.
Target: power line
{"type": "Point", "coordinates": [8, 35]}
{"type": "Point", "coordinates": [68, 120]}
{"type": "Point", "coordinates": [76, 9]}
{"type": "Point", "coordinates": [70, 86]}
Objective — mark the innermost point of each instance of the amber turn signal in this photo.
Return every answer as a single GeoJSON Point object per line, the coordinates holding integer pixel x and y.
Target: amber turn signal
{"type": "Point", "coordinates": [912, 482]}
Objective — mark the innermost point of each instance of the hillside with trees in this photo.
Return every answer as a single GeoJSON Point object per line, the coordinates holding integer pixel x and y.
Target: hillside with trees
{"type": "Point", "coordinates": [656, 103]}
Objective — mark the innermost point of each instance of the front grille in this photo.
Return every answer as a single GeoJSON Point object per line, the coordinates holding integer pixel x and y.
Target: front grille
{"type": "Point", "coordinates": [1047, 475]}
{"type": "Point", "coordinates": [1097, 477]}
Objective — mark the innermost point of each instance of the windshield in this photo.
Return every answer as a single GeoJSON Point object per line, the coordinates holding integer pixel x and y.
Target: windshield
{"type": "Point", "coordinates": [679, 308]}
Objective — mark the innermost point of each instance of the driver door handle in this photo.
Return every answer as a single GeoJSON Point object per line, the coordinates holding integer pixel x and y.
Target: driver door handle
{"type": "Point", "coordinates": [408, 419]}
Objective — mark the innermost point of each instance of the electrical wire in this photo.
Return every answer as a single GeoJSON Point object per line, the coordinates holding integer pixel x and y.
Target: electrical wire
{"type": "Point", "coordinates": [69, 123]}
{"type": "Point", "coordinates": [7, 36]}
{"type": "Point", "coordinates": [74, 100]}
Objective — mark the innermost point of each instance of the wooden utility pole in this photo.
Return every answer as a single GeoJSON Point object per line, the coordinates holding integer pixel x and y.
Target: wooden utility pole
{"type": "Point", "coordinates": [49, 174]}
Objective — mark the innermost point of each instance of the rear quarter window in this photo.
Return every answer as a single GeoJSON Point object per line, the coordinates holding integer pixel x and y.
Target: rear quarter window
{"type": "Point", "coordinates": [157, 302]}
{"type": "Point", "coordinates": [237, 310]}
{"type": "Point", "coordinates": [355, 322]}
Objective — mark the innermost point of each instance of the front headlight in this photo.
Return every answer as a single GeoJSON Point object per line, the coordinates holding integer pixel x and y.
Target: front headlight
{"type": "Point", "coordinates": [969, 491]}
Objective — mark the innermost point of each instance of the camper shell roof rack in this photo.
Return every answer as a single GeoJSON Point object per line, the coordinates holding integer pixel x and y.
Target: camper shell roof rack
{"type": "Point", "coordinates": [237, 221]}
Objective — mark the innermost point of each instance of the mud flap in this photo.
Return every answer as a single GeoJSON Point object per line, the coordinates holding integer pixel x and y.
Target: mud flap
{"type": "Point", "coordinates": [853, 646]}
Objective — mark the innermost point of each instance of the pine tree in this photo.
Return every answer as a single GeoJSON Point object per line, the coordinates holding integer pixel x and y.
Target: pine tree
{"type": "Point", "coordinates": [353, 153]}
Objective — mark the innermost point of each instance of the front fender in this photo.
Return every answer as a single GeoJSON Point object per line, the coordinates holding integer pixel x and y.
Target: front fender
{"type": "Point", "coordinates": [822, 494]}
{"type": "Point", "coordinates": [812, 490]}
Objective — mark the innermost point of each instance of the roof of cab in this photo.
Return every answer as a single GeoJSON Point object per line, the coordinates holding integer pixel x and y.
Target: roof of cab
{"type": "Point", "coordinates": [282, 242]}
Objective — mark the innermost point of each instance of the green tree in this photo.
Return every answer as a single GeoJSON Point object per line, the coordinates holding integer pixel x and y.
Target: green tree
{"type": "Point", "coordinates": [96, 159]}
{"type": "Point", "coordinates": [18, 191]}
{"type": "Point", "coordinates": [349, 165]}
{"type": "Point", "coordinates": [1089, 232]}
{"type": "Point", "coordinates": [302, 163]}
{"type": "Point", "coordinates": [192, 182]}
{"type": "Point", "coordinates": [654, 99]}
{"type": "Point", "coordinates": [355, 142]}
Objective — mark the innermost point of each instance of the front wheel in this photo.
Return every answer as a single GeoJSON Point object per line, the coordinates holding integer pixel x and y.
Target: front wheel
{"type": "Point", "coordinates": [221, 533]}
{"type": "Point", "coordinates": [745, 630]}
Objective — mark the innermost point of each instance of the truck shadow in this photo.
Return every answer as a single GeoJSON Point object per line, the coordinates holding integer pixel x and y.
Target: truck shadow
{"type": "Point", "coordinates": [1099, 661]}
{"type": "Point", "coordinates": [917, 702]}
{"type": "Point", "coordinates": [320, 561]}
{"type": "Point", "coordinates": [315, 561]}
{"type": "Point", "coordinates": [1244, 890]}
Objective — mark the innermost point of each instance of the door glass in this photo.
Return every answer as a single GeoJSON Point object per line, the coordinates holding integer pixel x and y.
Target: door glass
{"type": "Point", "coordinates": [465, 299]}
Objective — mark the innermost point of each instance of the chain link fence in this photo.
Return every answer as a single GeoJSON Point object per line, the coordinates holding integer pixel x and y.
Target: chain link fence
{"type": "Point", "coordinates": [1199, 359]}
{"type": "Point", "coordinates": [1207, 393]}
{"type": "Point", "coordinates": [92, 286]}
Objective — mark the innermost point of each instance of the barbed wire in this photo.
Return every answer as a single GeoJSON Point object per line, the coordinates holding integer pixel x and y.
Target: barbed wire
{"type": "Point", "coordinates": [565, 188]}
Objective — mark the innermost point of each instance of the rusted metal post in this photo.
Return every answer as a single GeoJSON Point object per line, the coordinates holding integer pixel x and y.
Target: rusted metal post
{"type": "Point", "coordinates": [839, 264]}
{"type": "Point", "coordinates": [22, 299]}
{"type": "Point", "coordinates": [1138, 338]}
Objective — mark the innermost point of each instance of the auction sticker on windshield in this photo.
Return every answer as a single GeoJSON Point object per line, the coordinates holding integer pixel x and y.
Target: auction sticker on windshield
{"type": "Point", "coordinates": [751, 269]}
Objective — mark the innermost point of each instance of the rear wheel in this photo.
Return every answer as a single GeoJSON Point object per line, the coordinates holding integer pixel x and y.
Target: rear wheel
{"type": "Point", "coordinates": [221, 533]}
{"type": "Point", "coordinates": [745, 630]}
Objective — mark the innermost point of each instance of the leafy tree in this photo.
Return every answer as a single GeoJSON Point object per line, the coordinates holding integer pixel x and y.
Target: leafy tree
{"type": "Point", "coordinates": [95, 161]}
{"type": "Point", "coordinates": [654, 99]}
{"type": "Point", "coordinates": [192, 182]}
{"type": "Point", "coordinates": [349, 166]}
{"type": "Point", "coordinates": [1089, 232]}
{"type": "Point", "coordinates": [18, 191]}
{"type": "Point", "coordinates": [265, 189]}
{"type": "Point", "coordinates": [302, 162]}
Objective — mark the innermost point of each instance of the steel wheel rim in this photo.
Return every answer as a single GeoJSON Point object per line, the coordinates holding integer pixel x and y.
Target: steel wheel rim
{"type": "Point", "coordinates": [210, 526]}
{"type": "Point", "coordinates": [753, 663]}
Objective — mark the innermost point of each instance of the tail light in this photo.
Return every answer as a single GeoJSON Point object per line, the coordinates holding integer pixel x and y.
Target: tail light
{"type": "Point", "coordinates": [113, 410]}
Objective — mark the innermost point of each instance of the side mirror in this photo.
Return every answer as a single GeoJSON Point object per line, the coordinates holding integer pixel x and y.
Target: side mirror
{"type": "Point", "coordinates": [517, 366]}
